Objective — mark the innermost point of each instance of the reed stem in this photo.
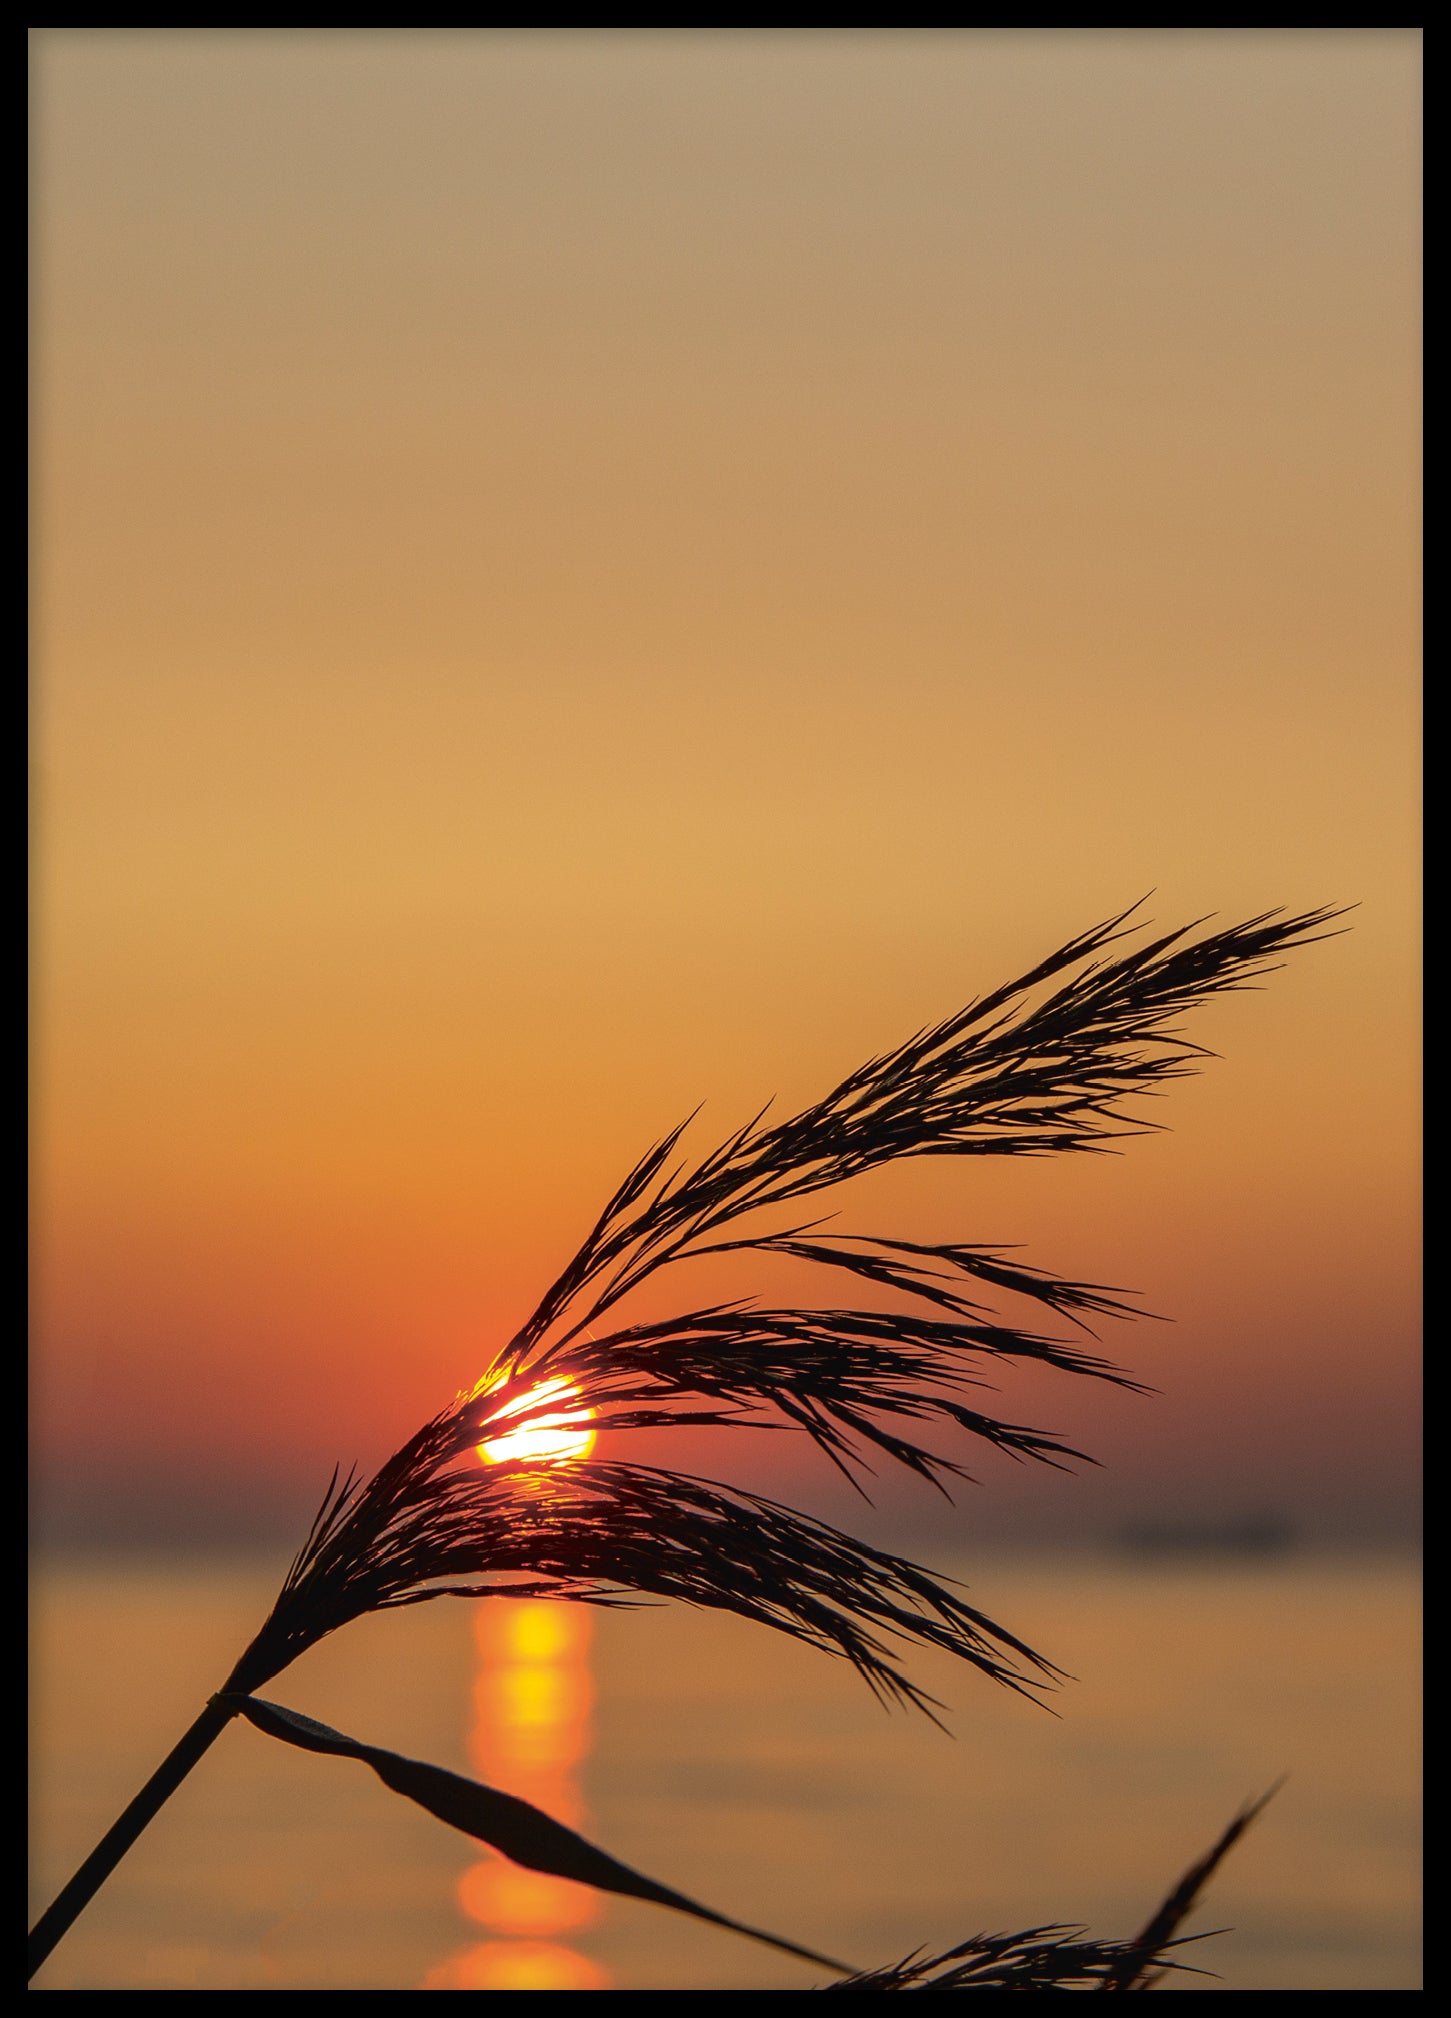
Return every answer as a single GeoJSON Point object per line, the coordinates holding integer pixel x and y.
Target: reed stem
{"type": "Point", "coordinates": [77, 1895]}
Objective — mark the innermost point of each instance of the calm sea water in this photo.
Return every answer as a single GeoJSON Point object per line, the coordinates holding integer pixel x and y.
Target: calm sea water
{"type": "Point", "coordinates": [755, 1776]}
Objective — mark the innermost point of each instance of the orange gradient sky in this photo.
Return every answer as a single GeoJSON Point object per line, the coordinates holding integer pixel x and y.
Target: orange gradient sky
{"type": "Point", "coordinates": [581, 573]}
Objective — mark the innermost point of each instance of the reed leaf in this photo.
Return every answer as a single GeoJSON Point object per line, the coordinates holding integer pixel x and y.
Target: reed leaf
{"type": "Point", "coordinates": [516, 1829]}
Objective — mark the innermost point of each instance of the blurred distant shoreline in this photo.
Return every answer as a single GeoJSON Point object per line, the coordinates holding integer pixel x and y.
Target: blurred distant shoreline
{"type": "Point", "coordinates": [1252, 1535]}
{"type": "Point", "coordinates": [1145, 1545]}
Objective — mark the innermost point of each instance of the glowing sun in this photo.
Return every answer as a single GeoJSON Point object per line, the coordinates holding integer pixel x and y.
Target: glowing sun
{"type": "Point", "coordinates": [555, 1436]}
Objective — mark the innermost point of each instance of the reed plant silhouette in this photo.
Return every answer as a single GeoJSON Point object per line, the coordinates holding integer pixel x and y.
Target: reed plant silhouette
{"type": "Point", "coordinates": [1045, 1064]}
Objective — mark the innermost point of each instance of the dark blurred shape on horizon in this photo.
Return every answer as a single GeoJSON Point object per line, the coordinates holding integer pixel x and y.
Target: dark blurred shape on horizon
{"type": "Point", "coordinates": [1252, 1535]}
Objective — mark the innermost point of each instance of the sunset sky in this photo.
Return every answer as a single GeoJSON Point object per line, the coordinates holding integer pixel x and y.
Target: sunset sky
{"type": "Point", "coordinates": [578, 574]}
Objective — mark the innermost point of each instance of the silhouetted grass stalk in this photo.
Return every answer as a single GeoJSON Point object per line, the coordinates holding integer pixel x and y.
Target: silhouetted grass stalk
{"type": "Point", "coordinates": [1040, 1066]}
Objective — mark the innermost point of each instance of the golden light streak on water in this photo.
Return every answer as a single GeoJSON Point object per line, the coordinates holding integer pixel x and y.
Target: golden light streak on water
{"type": "Point", "coordinates": [530, 1733]}
{"type": "Point", "coordinates": [517, 1965]}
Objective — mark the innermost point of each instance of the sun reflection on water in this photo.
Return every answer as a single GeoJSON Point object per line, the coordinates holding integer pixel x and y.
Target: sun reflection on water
{"type": "Point", "coordinates": [517, 1965]}
{"type": "Point", "coordinates": [529, 1734]}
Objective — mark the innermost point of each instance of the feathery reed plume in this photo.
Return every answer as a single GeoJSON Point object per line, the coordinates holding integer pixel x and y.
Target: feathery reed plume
{"type": "Point", "coordinates": [1138, 1968]}
{"type": "Point", "coordinates": [1040, 1958]}
{"type": "Point", "coordinates": [1044, 1064]}
{"type": "Point", "coordinates": [1065, 1958]}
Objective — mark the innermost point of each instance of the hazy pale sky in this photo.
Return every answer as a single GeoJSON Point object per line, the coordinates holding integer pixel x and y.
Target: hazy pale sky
{"type": "Point", "coordinates": [580, 573]}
